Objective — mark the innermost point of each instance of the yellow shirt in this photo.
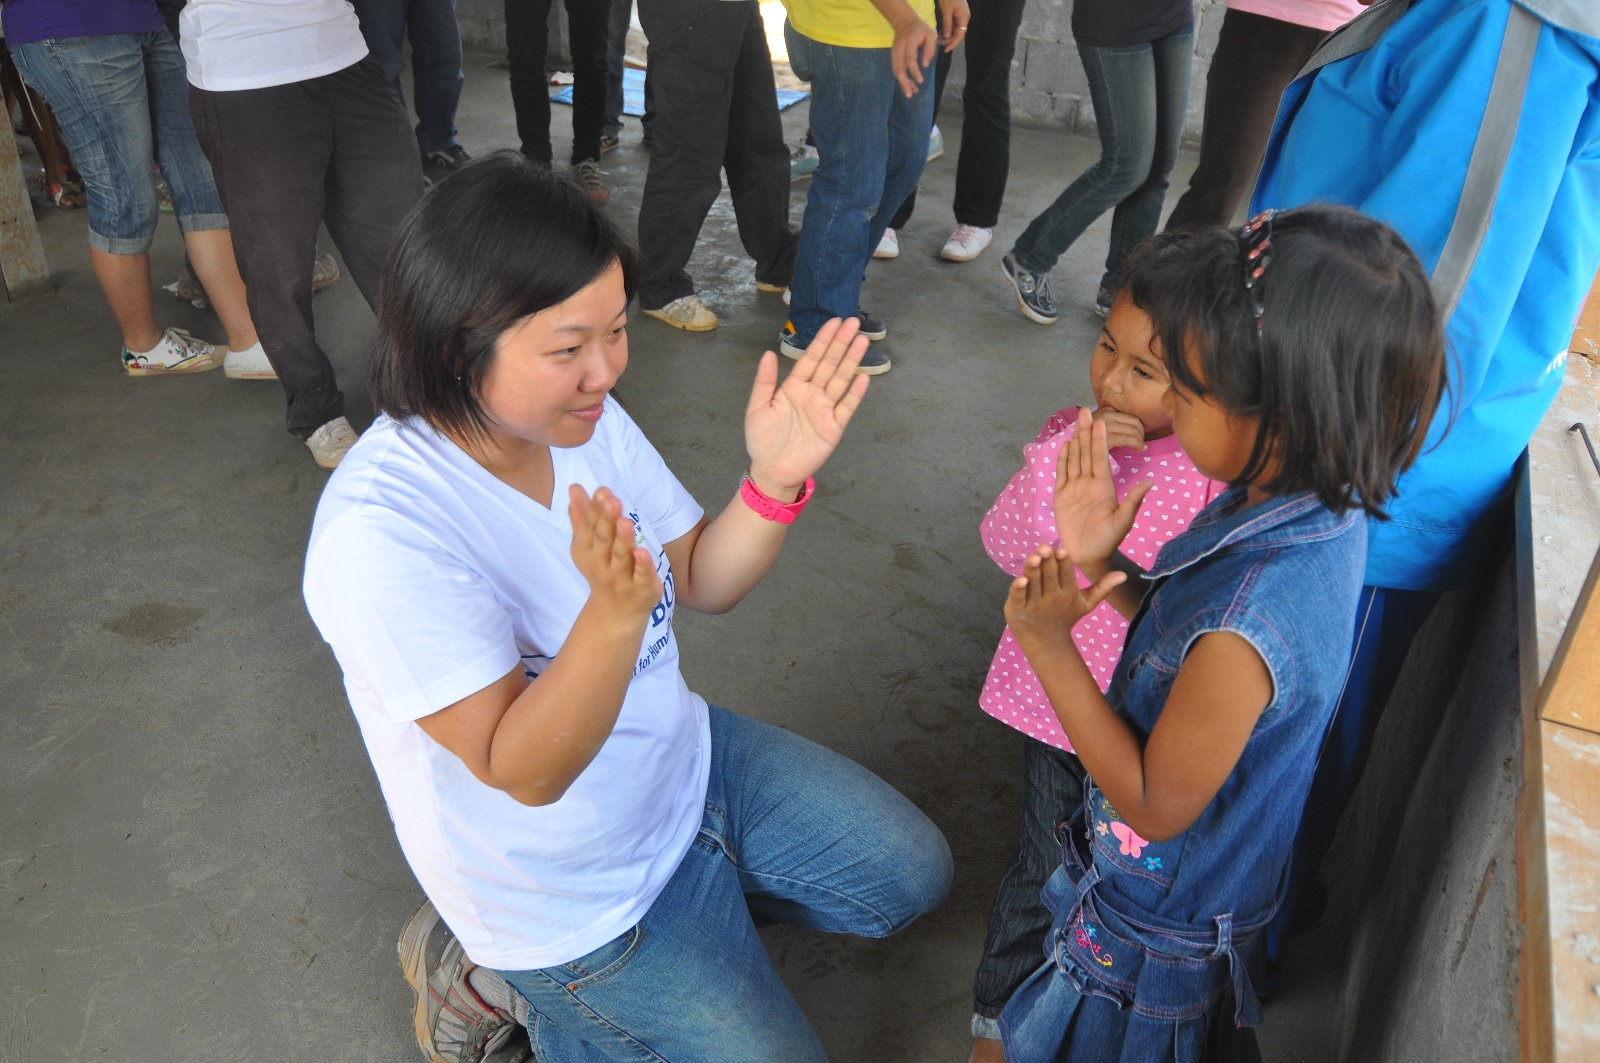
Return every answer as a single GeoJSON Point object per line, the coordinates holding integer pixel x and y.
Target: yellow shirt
{"type": "Point", "coordinates": [849, 23]}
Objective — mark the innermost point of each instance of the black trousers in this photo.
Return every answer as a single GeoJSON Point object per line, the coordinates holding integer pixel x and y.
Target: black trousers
{"type": "Point", "coordinates": [1052, 791]}
{"type": "Point", "coordinates": [1255, 60]}
{"type": "Point", "coordinates": [337, 149]}
{"type": "Point", "coordinates": [716, 110]}
{"type": "Point", "coordinates": [527, 44]}
{"type": "Point", "coordinates": [985, 159]}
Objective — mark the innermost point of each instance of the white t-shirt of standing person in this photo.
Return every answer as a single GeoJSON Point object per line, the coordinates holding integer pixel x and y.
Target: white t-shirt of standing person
{"type": "Point", "coordinates": [433, 579]}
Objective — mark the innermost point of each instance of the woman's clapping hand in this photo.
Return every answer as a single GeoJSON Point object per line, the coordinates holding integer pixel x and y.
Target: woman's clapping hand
{"type": "Point", "coordinates": [790, 429]}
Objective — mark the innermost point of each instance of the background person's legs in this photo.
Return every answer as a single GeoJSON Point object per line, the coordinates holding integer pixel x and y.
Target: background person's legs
{"type": "Point", "coordinates": [693, 48]}
{"type": "Point", "coordinates": [852, 93]}
{"type": "Point", "coordinates": [909, 124]}
{"type": "Point", "coordinates": [1255, 60]}
{"type": "Point", "coordinates": [269, 150]}
{"type": "Point", "coordinates": [757, 159]}
{"type": "Point", "coordinates": [527, 41]}
{"type": "Point", "coordinates": [616, 63]}
{"type": "Point", "coordinates": [97, 88]}
{"type": "Point", "coordinates": [374, 176]}
{"type": "Point", "coordinates": [383, 25]}
{"type": "Point", "coordinates": [194, 192]}
{"type": "Point", "coordinates": [587, 22]}
{"type": "Point", "coordinates": [1122, 87]}
{"type": "Point", "coordinates": [1138, 215]}
{"type": "Point", "coordinates": [436, 75]}
{"type": "Point", "coordinates": [985, 159]}
{"type": "Point", "coordinates": [941, 71]}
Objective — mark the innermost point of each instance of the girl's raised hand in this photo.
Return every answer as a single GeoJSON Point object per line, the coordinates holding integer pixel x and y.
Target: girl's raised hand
{"type": "Point", "coordinates": [622, 577]}
{"type": "Point", "coordinates": [790, 430]}
{"type": "Point", "coordinates": [1088, 519]}
{"type": "Point", "coordinates": [1045, 601]}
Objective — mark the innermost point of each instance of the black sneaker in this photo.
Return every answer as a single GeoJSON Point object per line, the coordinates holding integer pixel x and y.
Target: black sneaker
{"type": "Point", "coordinates": [871, 327]}
{"type": "Point", "coordinates": [873, 363]}
{"type": "Point", "coordinates": [1031, 289]}
{"type": "Point", "coordinates": [1102, 302]}
{"type": "Point", "coordinates": [439, 164]}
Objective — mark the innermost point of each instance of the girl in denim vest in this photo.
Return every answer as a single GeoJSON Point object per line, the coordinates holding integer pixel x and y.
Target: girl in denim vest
{"type": "Point", "coordinates": [1306, 360]}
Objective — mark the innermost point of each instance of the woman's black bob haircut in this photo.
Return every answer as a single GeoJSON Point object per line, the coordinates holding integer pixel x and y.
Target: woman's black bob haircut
{"type": "Point", "coordinates": [1348, 364]}
{"type": "Point", "coordinates": [500, 239]}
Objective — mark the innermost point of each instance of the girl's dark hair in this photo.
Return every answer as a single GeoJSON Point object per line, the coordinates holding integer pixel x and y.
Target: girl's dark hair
{"type": "Point", "coordinates": [1346, 368]}
{"type": "Point", "coordinates": [500, 239]}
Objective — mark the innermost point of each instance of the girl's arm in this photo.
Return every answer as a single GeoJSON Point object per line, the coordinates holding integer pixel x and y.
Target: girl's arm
{"type": "Point", "coordinates": [789, 432]}
{"type": "Point", "coordinates": [1090, 521]}
{"type": "Point", "coordinates": [533, 740]}
{"type": "Point", "coordinates": [1161, 786]}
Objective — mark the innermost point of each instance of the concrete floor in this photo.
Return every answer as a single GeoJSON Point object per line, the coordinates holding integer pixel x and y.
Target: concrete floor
{"type": "Point", "coordinates": [195, 862]}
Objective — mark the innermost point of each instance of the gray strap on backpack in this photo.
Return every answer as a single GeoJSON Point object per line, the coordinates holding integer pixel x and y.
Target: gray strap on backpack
{"type": "Point", "coordinates": [1490, 151]}
{"type": "Point", "coordinates": [1488, 163]}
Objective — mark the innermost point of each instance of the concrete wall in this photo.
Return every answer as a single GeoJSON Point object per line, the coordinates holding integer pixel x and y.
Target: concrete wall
{"type": "Point", "coordinates": [1048, 85]}
{"type": "Point", "coordinates": [1426, 857]}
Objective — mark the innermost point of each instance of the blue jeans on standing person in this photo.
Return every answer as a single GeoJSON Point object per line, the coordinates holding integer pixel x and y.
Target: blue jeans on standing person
{"type": "Point", "coordinates": [873, 143]}
{"type": "Point", "coordinates": [793, 833]}
{"type": "Point", "coordinates": [1140, 95]}
{"type": "Point", "coordinates": [123, 103]}
{"type": "Point", "coordinates": [435, 59]}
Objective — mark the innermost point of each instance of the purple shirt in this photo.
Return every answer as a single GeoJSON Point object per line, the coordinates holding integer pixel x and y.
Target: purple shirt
{"type": "Point", "coordinates": [27, 21]}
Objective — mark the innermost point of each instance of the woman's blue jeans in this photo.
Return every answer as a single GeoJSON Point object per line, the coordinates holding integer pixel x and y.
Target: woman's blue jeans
{"type": "Point", "coordinates": [123, 103]}
{"type": "Point", "coordinates": [873, 143]}
{"type": "Point", "coordinates": [792, 833]}
{"type": "Point", "coordinates": [1140, 95]}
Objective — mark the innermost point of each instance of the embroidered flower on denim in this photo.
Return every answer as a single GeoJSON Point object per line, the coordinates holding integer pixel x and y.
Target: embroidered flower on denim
{"type": "Point", "coordinates": [1152, 863]}
{"type": "Point", "coordinates": [1100, 826]}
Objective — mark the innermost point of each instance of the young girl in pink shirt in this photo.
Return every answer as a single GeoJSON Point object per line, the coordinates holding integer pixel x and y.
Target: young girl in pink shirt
{"type": "Point", "coordinates": [1128, 381]}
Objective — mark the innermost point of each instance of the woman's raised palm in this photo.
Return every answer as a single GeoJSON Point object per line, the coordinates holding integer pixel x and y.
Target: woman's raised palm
{"type": "Point", "coordinates": [1089, 521]}
{"type": "Point", "coordinates": [791, 429]}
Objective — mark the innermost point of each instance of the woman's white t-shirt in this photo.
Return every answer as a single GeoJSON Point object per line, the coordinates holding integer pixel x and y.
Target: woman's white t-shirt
{"type": "Point", "coordinates": [431, 580]}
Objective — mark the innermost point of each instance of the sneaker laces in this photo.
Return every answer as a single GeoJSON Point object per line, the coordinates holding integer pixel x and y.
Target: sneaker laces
{"type": "Point", "coordinates": [691, 303]}
{"type": "Point", "coordinates": [965, 233]}
{"type": "Point", "coordinates": [184, 343]}
{"type": "Point", "coordinates": [801, 151]}
{"type": "Point", "coordinates": [589, 170]}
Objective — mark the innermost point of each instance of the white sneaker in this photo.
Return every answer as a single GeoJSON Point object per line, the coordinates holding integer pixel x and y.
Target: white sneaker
{"type": "Point", "coordinates": [178, 352]}
{"type": "Point", "coordinates": [889, 246]}
{"type": "Point", "coordinates": [248, 364]}
{"type": "Point", "coordinates": [330, 443]}
{"type": "Point", "coordinates": [966, 243]}
{"type": "Point", "coordinates": [687, 313]}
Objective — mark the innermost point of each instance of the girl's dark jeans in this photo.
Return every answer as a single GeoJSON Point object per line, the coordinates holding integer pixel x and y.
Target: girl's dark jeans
{"type": "Point", "coordinates": [1052, 791]}
{"type": "Point", "coordinates": [1140, 94]}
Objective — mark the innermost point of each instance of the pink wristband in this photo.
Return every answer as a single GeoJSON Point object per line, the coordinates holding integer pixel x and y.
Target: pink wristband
{"type": "Point", "coordinates": [770, 508]}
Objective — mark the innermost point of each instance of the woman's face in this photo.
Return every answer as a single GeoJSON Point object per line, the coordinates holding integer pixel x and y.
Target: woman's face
{"type": "Point", "coordinates": [551, 370]}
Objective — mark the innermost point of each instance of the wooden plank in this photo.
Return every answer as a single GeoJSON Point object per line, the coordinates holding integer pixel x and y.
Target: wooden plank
{"type": "Point", "coordinates": [1586, 337]}
{"type": "Point", "coordinates": [22, 261]}
{"type": "Point", "coordinates": [1571, 691]}
{"type": "Point", "coordinates": [1572, 831]}
{"type": "Point", "coordinates": [1536, 1027]}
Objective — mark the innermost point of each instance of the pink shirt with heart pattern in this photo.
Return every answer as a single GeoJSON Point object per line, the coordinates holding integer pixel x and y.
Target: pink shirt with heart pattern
{"type": "Point", "coordinates": [1022, 519]}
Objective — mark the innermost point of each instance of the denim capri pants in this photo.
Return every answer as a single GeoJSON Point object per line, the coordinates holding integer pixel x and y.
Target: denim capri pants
{"type": "Point", "coordinates": [123, 103]}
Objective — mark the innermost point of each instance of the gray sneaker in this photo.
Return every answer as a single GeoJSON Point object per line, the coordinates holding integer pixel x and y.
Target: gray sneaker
{"type": "Point", "coordinates": [455, 1022]}
{"type": "Point", "coordinates": [588, 174]}
{"type": "Point", "coordinates": [1031, 289]}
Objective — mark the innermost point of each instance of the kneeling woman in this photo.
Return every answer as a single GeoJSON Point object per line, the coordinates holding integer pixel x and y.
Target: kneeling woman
{"type": "Point", "coordinates": [496, 565]}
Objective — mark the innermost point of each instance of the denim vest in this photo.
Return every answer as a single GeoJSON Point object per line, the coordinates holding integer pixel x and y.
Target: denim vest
{"type": "Point", "coordinates": [1158, 927]}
